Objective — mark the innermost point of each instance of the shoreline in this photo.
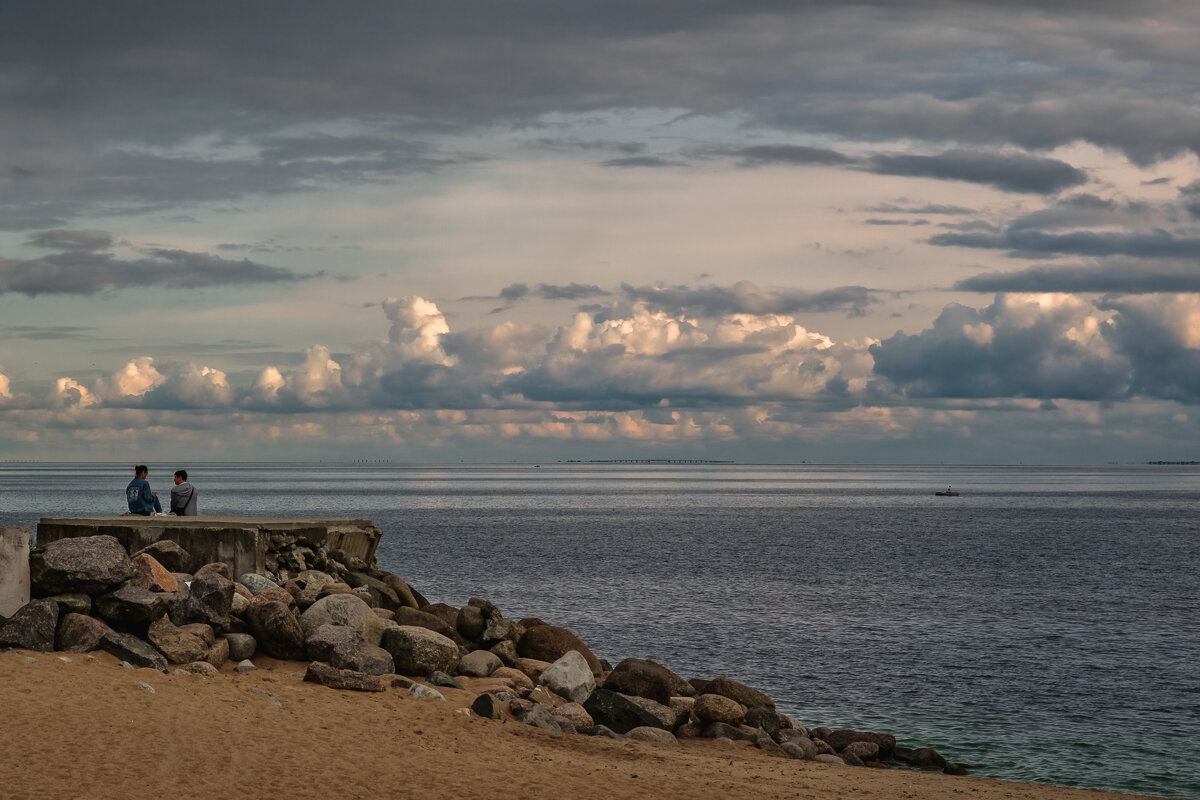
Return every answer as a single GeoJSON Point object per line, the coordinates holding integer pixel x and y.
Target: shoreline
{"type": "Point", "coordinates": [96, 730]}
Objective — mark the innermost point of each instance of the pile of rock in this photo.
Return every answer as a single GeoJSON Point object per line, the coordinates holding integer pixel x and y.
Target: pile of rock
{"type": "Point", "coordinates": [361, 628]}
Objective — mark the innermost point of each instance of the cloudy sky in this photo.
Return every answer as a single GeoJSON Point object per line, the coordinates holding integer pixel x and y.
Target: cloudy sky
{"type": "Point", "coordinates": [752, 230]}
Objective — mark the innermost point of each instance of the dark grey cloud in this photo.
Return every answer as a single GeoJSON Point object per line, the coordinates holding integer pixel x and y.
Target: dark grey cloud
{"type": "Point", "coordinates": [72, 240]}
{"type": "Point", "coordinates": [1115, 276]}
{"type": "Point", "coordinates": [746, 298]}
{"type": "Point", "coordinates": [1190, 196]}
{"type": "Point", "coordinates": [641, 161]}
{"type": "Point", "coordinates": [47, 332]}
{"type": "Point", "coordinates": [878, 221]}
{"type": "Point", "coordinates": [81, 272]}
{"type": "Point", "coordinates": [1008, 172]}
{"type": "Point", "coordinates": [1156, 244]}
{"type": "Point", "coordinates": [790, 154]}
{"type": "Point", "coordinates": [547, 291]}
{"type": "Point", "coordinates": [918, 208]}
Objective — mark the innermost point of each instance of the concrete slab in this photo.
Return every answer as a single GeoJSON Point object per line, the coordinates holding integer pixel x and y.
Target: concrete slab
{"type": "Point", "coordinates": [14, 569]}
{"type": "Point", "coordinates": [246, 544]}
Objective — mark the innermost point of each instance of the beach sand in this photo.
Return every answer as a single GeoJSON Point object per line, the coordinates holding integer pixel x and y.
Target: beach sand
{"type": "Point", "coordinates": [90, 729]}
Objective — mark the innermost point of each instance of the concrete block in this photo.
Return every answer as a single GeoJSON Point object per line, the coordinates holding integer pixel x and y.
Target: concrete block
{"type": "Point", "coordinates": [14, 569]}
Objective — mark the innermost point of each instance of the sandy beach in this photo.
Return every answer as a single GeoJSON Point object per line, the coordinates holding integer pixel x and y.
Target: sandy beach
{"type": "Point", "coordinates": [79, 726]}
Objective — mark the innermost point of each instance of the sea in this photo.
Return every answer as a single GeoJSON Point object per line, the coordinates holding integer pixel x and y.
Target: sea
{"type": "Point", "coordinates": [1042, 626]}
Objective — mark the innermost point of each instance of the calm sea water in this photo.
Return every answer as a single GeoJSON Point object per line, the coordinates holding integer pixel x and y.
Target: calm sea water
{"type": "Point", "coordinates": [1043, 626]}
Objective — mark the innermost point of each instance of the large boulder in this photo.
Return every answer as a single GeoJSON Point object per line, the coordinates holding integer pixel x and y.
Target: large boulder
{"type": "Point", "coordinates": [479, 664]}
{"type": "Point", "coordinates": [801, 747]}
{"type": "Point", "coordinates": [32, 626]}
{"type": "Point", "coordinates": [358, 656]}
{"type": "Point", "coordinates": [422, 619]}
{"type": "Point", "coordinates": [668, 718]}
{"type": "Point", "coordinates": [576, 715]}
{"type": "Point", "coordinates": [241, 646]}
{"type": "Point", "coordinates": [173, 557]}
{"type": "Point", "coordinates": [149, 574]}
{"type": "Point", "coordinates": [209, 599]}
{"type": "Point", "coordinates": [215, 568]}
{"type": "Point", "coordinates": [179, 646]}
{"type": "Point", "coordinates": [78, 633]}
{"type": "Point", "coordinates": [128, 647]}
{"type": "Point", "coordinates": [276, 630]}
{"type": "Point", "coordinates": [643, 678]}
{"type": "Point", "coordinates": [347, 610]}
{"type": "Point", "coordinates": [218, 654]}
{"type": "Point", "coordinates": [768, 720]}
{"type": "Point", "coordinates": [618, 712]}
{"type": "Point", "coordinates": [130, 607]}
{"type": "Point", "coordinates": [656, 735]}
{"type": "Point", "coordinates": [569, 677]}
{"type": "Point", "coordinates": [419, 651]}
{"type": "Point", "coordinates": [336, 678]}
{"type": "Point", "coordinates": [718, 708]}
{"type": "Point", "coordinates": [842, 737]}
{"type": "Point", "coordinates": [72, 603]}
{"type": "Point", "coordinates": [257, 583]}
{"type": "Point", "coordinates": [383, 595]}
{"type": "Point", "coordinates": [408, 596]}
{"type": "Point", "coordinates": [551, 642]}
{"type": "Point", "coordinates": [87, 564]}
{"type": "Point", "coordinates": [470, 622]}
{"type": "Point", "coordinates": [863, 751]}
{"type": "Point", "coordinates": [747, 696]}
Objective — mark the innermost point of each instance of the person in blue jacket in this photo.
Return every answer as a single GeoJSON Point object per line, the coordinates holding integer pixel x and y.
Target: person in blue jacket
{"type": "Point", "coordinates": [141, 499]}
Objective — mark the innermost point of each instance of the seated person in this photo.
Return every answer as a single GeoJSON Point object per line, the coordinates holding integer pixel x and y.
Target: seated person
{"type": "Point", "coordinates": [183, 496]}
{"type": "Point", "coordinates": [141, 499]}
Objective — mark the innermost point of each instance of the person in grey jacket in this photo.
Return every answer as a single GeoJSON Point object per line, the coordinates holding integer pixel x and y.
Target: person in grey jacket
{"type": "Point", "coordinates": [183, 496]}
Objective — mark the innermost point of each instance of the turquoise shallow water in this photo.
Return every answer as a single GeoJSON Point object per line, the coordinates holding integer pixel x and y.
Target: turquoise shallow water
{"type": "Point", "coordinates": [1042, 626]}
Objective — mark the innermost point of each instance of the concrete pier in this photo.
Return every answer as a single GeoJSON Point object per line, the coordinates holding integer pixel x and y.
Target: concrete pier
{"type": "Point", "coordinates": [246, 544]}
{"type": "Point", "coordinates": [14, 569]}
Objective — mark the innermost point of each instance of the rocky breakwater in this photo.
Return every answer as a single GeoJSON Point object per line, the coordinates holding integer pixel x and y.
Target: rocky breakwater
{"type": "Point", "coordinates": [365, 629]}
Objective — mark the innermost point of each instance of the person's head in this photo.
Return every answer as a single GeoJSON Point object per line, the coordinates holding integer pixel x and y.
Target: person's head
{"type": "Point", "coordinates": [141, 471]}
{"type": "Point", "coordinates": [180, 476]}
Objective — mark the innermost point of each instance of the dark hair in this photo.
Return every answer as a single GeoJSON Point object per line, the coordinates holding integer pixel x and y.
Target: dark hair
{"type": "Point", "coordinates": [181, 473]}
{"type": "Point", "coordinates": [140, 468]}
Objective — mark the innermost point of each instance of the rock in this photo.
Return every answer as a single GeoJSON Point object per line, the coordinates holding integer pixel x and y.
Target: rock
{"type": "Point", "coordinates": [488, 707]}
{"type": "Point", "coordinates": [656, 735]}
{"type": "Point", "coordinates": [151, 575]}
{"type": "Point", "coordinates": [506, 651]}
{"type": "Point", "coordinates": [276, 630]}
{"type": "Point", "coordinates": [532, 667]}
{"type": "Point", "coordinates": [955, 769]}
{"type": "Point", "coordinates": [820, 732]}
{"type": "Point", "coordinates": [408, 596]}
{"type": "Point", "coordinates": [550, 643]}
{"type": "Point", "coordinates": [850, 759]}
{"type": "Point", "coordinates": [384, 614]}
{"type": "Point", "coordinates": [86, 564]}
{"type": "Point", "coordinates": [792, 735]}
{"type": "Point", "coordinates": [422, 619]}
{"type": "Point", "coordinates": [643, 678]}
{"type": "Point", "coordinates": [618, 712]}
{"type": "Point", "coordinates": [215, 568]}
{"type": "Point", "coordinates": [718, 708]}
{"type": "Point", "coordinates": [359, 656]}
{"type": "Point", "coordinates": [277, 594]}
{"type": "Point", "coordinates": [132, 649]}
{"type": "Point", "coordinates": [750, 698]}
{"type": "Point", "coordinates": [768, 745]}
{"type": "Point", "coordinates": [668, 718]}
{"type": "Point", "coordinates": [864, 751]}
{"type": "Point", "coordinates": [607, 732]}
{"type": "Point", "coordinates": [570, 677]}
{"type": "Point", "coordinates": [839, 739]}
{"type": "Point", "coordinates": [682, 705]}
{"type": "Point", "coordinates": [238, 603]}
{"type": "Point", "coordinates": [336, 678]}
{"type": "Point", "coordinates": [244, 665]}
{"type": "Point", "coordinates": [519, 679]}
{"type": "Point", "coordinates": [470, 622]}
{"type": "Point", "coordinates": [421, 692]}
{"type": "Point", "coordinates": [201, 629]}
{"type": "Point", "coordinates": [519, 706]}
{"type": "Point", "coordinates": [544, 697]}
{"type": "Point", "coordinates": [689, 730]}
{"type": "Point", "coordinates": [209, 599]}
{"type": "Point", "coordinates": [179, 646]}
{"type": "Point", "coordinates": [314, 579]}
{"type": "Point", "coordinates": [922, 757]}
{"type": "Point", "coordinates": [540, 717]}
{"type": "Point", "coordinates": [347, 610]}
{"type": "Point", "coordinates": [321, 642]}
{"type": "Point", "coordinates": [80, 634]}
{"type": "Point", "coordinates": [169, 554]}
{"type": "Point", "coordinates": [130, 607]}
{"type": "Point", "coordinates": [337, 587]}
{"type": "Point", "coordinates": [700, 685]}
{"type": "Point", "coordinates": [576, 715]}
{"type": "Point", "coordinates": [241, 591]}
{"type": "Point", "coordinates": [498, 629]}
{"type": "Point", "coordinates": [800, 748]}
{"type": "Point", "coordinates": [382, 594]}
{"type": "Point", "coordinates": [766, 719]}
{"type": "Point", "coordinates": [72, 603]}
{"type": "Point", "coordinates": [241, 645]}
{"type": "Point", "coordinates": [32, 627]}
{"type": "Point", "coordinates": [823, 748]}
{"type": "Point", "coordinates": [721, 730]}
{"type": "Point", "coordinates": [439, 678]}
{"type": "Point", "coordinates": [257, 583]}
{"type": "Point", "coordinates": [419, 651]}
{"type": "Point", "coordinates": [218, 654]}
{"type": "Point", "coordinates": [199, 668]}
{"type": "Point", "coordinates": [825, 758]}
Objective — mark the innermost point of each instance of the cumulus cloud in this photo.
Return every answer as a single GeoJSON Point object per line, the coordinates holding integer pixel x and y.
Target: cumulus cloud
{"type": "Point", "coordinates": [5, 386]}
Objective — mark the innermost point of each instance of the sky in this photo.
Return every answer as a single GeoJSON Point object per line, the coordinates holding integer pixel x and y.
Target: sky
{"type": "Point", "coordinates": [925, 232]}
